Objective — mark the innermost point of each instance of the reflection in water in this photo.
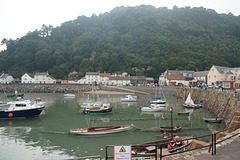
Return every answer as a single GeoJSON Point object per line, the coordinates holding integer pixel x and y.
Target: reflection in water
{"type": "Point", "coordinates": [27, 139]}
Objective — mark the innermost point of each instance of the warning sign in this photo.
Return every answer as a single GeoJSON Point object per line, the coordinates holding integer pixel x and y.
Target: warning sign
{"type": "Point", "coordinates": [122, 152]}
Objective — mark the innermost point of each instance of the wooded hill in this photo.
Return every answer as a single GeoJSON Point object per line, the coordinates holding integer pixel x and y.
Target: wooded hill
{"type": "Point", "coordinates": [141, 40]}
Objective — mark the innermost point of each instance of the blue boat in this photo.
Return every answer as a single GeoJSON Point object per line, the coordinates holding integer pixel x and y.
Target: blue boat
{"type": "Point", "coordinates": [22, 109]}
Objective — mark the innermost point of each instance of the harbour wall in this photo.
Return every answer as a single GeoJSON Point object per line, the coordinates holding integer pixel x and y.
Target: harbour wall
{"type": "Point", "coordinates": [222, 104]}
{"type": "Point", "coordinates": [45, 88]}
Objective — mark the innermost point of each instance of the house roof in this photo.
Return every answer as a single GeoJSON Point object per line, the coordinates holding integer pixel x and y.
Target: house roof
{"type": "Point", "coordinates": [223, 70]}
{"type": "Point", "coordinates": [41, 73]}
{"type": "Point", "coordinates": [105, 74]}
{"type": "Point", "coordinates": [149, 79]}
{"type": "Point", "coordinates": [30, 75]}
{"type": "Point", "coordinates": [200, 74]}
{"type": "Point", "coordinates": [119, 78]}
{"type": "Point", "coordinates": [180, 72]}
{"type": "Point", "coordinates": [92, 73]}
{"type": "Point", "coordinates": [175, 77]}
{"type": "Point", "coordinates": [4, 76]}
{"type": "Point", "coordinates": [138, 78]}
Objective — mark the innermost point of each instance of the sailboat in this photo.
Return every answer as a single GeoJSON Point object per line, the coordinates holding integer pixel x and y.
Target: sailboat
{"type": "Point", "coordinates": [158, 100]}
{"type": "Point", "coordinates": [92, 104]}
{"type": "Point", "coordinates": [190, 104]}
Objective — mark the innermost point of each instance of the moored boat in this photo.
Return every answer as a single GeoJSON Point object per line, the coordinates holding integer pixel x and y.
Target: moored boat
{"type": "Point", "coordinates": [152, 108]}
{"type": "Point", "coordinates": [104, 109]}
{"type": "Point", "coordinates": [190, 104]}
{"type": "Point", "coordinates": [69, 95]}
{"type": "Point", "coordinates": [22, 109]}
{"type": "Point", "coordinates": [101, 130]}
{"type": "Point", "coordinates": [170, 129]}
{"type": "Point", "coordinates": [177, 143]}
{"type": "Point", "coordinates": [213, 120]}
{"type": "Point", "coordinates": [129, 98]}
{"type": "Point", "coordinates": [183, 113]}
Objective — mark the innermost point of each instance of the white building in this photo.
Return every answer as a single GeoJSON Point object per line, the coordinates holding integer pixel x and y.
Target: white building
{"type": "Point", "coordinates": [176, 77]}
{"type": "Point", "coordinates": [6, 78]}
{"type": "Point", "coordinates": [27, 78]}
{"type": "Point", "coordinates": [119, 81]}
{"type": "Point", "coordinates": [92, 77]}
{"type": "Point", "coordinates": [44, 77]}
{"type": "Point", "coordinates": [104, 78]}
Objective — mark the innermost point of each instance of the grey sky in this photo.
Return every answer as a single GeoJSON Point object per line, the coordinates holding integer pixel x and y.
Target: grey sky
{"type": "Point", "coordinates": [17, 17]}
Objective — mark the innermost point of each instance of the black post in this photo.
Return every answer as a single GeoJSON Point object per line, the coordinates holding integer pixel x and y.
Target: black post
{"type": "Point", "coordinates": [215, 148]}
{"type": "Point", "coordinates": [171, 124]}
{"type": "Point", "coordinates": [160, 152]}
{"type": "Point", "coordinates": [212, 143]}
{"type": "Point", "coordinates": [106, 152]}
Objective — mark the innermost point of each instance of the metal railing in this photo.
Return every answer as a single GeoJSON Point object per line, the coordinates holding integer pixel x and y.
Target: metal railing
{"type": "Point", "coordinates": [158, 151]}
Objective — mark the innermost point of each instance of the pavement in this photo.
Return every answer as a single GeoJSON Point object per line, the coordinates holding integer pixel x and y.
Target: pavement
{"type": "Point", "coordinates": [227, 150]}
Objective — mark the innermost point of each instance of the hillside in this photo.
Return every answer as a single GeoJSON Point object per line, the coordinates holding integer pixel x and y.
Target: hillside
{"type": "Point", "coordinates": [141, 40]}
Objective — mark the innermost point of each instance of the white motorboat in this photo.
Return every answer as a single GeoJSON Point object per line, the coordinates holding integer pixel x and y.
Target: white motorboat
{"type": "Point", "coordinates": [69, 95]}
{"type": "Point", "coordinates": [22, 109]}
{"type": "Point", "coordinates": [129, 98]}
{"type": "Point", "coordinates": [152, 108]}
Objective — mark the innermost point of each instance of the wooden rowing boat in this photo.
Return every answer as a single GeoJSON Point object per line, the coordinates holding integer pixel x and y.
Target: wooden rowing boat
{"type": "Point", "coordinates": [101, 130]}
{"type": "Point", "coordinates": [150, 147]}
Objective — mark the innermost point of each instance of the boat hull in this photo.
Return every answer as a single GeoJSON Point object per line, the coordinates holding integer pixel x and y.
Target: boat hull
{"type": "Point", "coordinates": [107, 131]}
{"type": "Point", "coordinates": [195, 106]}
{"type": "Point", "coordinates": [5, 114]}
{"type": "Point", "coordinates": [169, 129]}
{"type": "Point", "coordinates": [97, 111]}
{"type": "Point", "coordinates": [213, 120]}
{"type": "Point", "coordinates": [152, 109]}
{"type": "Point", "coordinates": [183, 113]}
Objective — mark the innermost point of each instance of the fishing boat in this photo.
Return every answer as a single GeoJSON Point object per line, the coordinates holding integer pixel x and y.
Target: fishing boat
{"type": "Point", "coordinates": [69, 95]}
{"type": "Point", "coordinates": [104, 109]}
{"type": "Point", "coordinates": [213, 120]}
{"type": "Point", "coordinates": [170, 129]}
{"type": "Point", "coordinates": [152, 108]}
{"type": "Point", "coordinates": [22, 109]}
{"type": "Point", "coordinates": [190, 104]}
{"type": "Point", "coordinates": [129, 98]}
{"type": "Point", "coordinates": [101, 130]}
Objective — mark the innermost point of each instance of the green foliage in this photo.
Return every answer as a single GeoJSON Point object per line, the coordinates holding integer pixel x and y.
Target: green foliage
{"type": "Point", "coordinates": [141, 40]}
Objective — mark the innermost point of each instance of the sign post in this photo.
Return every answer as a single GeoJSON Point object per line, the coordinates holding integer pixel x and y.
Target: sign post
{"type": "Point", "coordinates": [122, 152]}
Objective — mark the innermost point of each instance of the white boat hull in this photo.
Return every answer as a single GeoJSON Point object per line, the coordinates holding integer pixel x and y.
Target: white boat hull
{"type": "Point", "coordinates": [153, 109]}
{"type": "Point", "coordinates": [86, 132]}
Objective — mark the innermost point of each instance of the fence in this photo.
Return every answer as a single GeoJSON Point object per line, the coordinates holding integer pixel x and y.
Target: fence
{"type": "Point", "coordinates": [158, 148]}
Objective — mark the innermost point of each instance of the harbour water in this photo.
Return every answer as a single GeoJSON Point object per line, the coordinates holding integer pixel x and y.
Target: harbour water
{"type": "Point", "coordinates": [26, 138]}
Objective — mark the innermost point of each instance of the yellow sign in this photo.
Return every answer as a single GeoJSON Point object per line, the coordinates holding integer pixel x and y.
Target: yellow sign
{"type": "Point", "coordinates": [122, 149]}
{"type": "Point", "coordinates": [122, 152]}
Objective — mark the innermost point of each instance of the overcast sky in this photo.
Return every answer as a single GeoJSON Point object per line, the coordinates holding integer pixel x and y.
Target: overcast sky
{"type": "Point", "coordinates": [18, 17]}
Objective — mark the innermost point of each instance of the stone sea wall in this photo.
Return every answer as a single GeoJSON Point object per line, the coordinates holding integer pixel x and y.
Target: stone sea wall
{"type": "Point", "coordinates": [45, 88]}
{"type": "Point", "coordinates": [222, 104]}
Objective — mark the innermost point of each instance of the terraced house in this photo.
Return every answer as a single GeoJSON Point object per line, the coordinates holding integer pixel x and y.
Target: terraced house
{"type": "Point", "coordinates": [224, 76]}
